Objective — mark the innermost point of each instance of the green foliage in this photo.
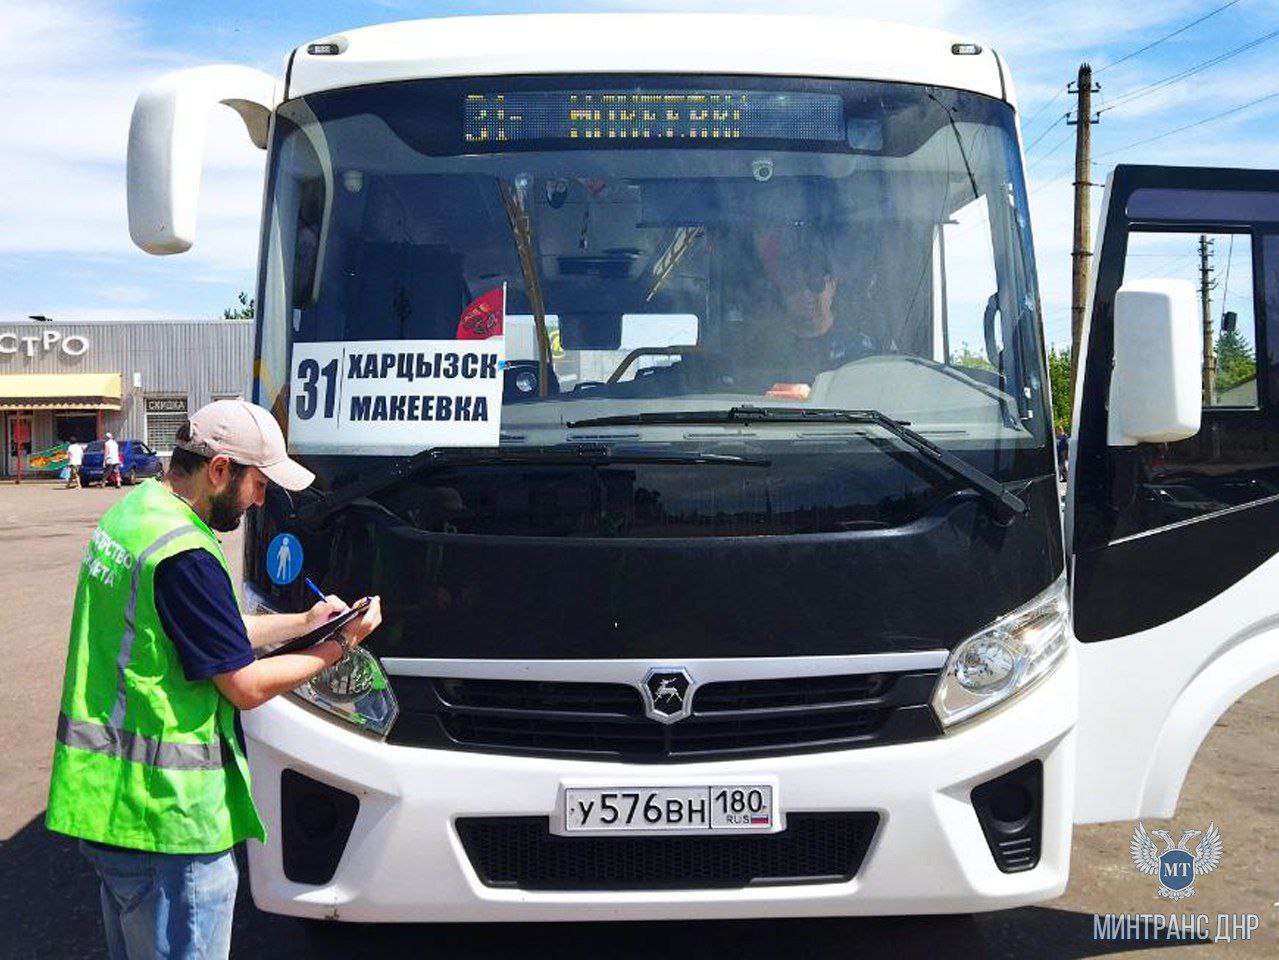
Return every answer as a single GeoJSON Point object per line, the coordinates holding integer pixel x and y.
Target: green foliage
{"type": "Point", "coordinates": [243, 312]}
{"type": "Point", "coordinates": [1236, 362]}
{"type": "Point", "coordinates": [966, 356]}
{"type": "Point", "coordinates": [1059, 378]}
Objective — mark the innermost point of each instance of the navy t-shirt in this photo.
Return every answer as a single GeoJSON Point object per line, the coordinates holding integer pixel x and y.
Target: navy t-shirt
{"type": "Point", "coordinates": [196, 604]}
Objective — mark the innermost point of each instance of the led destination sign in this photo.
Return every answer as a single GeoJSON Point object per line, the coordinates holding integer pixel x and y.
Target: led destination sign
{"type": "Point", "coordinates": [582, 115]}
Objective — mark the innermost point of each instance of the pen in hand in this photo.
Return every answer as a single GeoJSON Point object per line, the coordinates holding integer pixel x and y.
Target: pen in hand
{"type": "Point", "coordinates": [316, 590]}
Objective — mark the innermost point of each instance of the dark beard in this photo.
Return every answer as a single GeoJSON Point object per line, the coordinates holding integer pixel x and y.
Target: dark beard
{"type": "Point", "coordinates": [224, 510]}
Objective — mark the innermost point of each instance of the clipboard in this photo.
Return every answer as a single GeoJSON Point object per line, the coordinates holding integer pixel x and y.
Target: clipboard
{"type": "Point", "coordinates": [322, 632]}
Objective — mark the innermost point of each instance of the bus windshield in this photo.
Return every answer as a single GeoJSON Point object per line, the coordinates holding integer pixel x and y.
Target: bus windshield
{"type": "Point", "coordinates": [670, 244]}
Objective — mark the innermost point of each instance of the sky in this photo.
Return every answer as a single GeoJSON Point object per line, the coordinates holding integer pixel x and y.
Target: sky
{"type": "Point", "coordinates": [73, 68]}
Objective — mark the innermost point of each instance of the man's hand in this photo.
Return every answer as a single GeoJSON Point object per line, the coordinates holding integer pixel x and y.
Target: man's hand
{"type": "Point", "coordinates": [358, 629]}
{"type": "Point", "coordinates": [261, 680]}
{"type": "Point", "coordinates": [323, 611]}
{"type": "Point", "coordinates": [269, 629]}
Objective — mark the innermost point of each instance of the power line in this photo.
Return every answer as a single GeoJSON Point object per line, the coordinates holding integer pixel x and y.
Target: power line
{"type": "Point", "coordinates": [1191, 126]}
{"type": "Point", "coordinates": [1189, 72]}
{"type": "Point", "coordinates": [1048, 183]}
{"type": "Point", "coordinates": [1044, 106]}
{"type": "Point", "coordinates": [1166, 37]}
{"type": "Point", "coordinates": [1167, 269]}
{"type": "Point", "coordinates": [1047, 130]}
{"type": "Point", "coordinates": [1051, 150]}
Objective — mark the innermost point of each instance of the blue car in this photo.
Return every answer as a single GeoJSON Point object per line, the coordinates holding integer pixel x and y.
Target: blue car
{"type": "Point", "coordinates": [137, 462]}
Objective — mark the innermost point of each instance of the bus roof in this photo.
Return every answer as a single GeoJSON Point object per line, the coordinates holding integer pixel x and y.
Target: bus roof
{"type": "Point", "coordinates": [679, 43]}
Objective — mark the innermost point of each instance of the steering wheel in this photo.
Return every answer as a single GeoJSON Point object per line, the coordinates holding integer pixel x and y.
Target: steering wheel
{"type": "Point", "coordinates": [638, 352]}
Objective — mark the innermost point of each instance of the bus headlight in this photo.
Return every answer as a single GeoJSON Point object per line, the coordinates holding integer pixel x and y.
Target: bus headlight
{"type": "Point", "coordinates": [354, 689]}
{"type": "Point", "coordinates": [1005, 658]}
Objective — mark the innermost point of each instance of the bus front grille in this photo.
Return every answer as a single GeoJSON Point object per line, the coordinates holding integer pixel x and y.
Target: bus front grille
{"type": "Point", "coordinates": [522, 853]}
{"type": "Point", "coordinates": [729, 719]}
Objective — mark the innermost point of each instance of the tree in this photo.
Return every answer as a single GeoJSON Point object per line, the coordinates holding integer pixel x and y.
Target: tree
{"type": "Point", "coordinates": [243, 312]}
{"type": "Point", "coordinates": [1059, 380]}
{"type": "Point", "coordinates": [966, 356]}
{"type": "Point", "coordinates": [1058, 376]}
{"type": "Point", "coordinates": [1236, 362]}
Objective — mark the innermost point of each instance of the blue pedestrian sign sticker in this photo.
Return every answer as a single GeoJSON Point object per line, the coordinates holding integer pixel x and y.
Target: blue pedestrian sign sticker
{"type": "Point", "coordinates": [284, 559]}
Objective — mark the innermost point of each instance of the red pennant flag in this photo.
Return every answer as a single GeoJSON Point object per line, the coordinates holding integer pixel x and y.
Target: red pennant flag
{"type": "Point", "coordinates": [483, 316]}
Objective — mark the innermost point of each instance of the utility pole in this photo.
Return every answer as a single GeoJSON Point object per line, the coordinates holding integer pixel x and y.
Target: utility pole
{"type": "Point", "coordinates": [1205, 305]}
{"type": "Point", "coordinates": [1081, 253]}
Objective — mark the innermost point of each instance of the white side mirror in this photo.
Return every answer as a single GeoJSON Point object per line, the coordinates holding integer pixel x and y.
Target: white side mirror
{"type": "Point", "coordinates": [166, 146]}
{"type": "Point", "coordinates": [1156, 393]}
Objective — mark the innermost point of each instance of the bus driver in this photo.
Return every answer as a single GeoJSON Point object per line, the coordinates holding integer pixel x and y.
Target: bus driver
{"type": "Point", "coordinates": [800, 291]}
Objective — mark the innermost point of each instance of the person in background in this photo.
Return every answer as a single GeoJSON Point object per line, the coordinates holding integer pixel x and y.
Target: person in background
{"type": "Point", "coordinates": [1063, 453]}
{"type": "Point", "coordinates": [111, 462]}
{"type": "Point", "coordinates": [149, 770]}
{"type": "Point", "coordinates": [75, 458]}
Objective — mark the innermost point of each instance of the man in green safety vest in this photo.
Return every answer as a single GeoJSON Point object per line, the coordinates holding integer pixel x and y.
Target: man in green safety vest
{"type": "Point", "coordinates": [148, 769]}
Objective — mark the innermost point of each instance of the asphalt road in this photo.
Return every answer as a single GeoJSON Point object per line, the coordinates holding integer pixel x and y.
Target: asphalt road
{"type": "Point", "coordinates": [48, 899]}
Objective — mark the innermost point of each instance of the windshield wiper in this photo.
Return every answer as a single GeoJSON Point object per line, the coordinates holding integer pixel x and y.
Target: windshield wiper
{"type": "Point", "coordinates": [439, 458]}
{"type": "Point", "coordinates": [1005, 504]}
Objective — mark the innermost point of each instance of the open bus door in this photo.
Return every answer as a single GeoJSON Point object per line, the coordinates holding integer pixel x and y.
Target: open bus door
{"type": "Point", "coordinates": [1173, 529]}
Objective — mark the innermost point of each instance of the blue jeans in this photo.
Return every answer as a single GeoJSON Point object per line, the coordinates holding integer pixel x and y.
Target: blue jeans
{"type": "Point", "coordinates": [165, 905]}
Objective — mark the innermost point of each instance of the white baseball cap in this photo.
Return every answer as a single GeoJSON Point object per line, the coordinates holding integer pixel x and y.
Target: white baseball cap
{"type": "Point", "coordinates": [248, 435]}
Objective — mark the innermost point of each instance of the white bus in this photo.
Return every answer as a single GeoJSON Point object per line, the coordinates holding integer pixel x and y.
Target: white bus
{"type": "Point", "coordinates": [679, 383]}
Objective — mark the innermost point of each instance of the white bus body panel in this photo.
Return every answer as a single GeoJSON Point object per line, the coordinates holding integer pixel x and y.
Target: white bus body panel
{"type": "Point", "coordinates": [678, 43]}
{"type": "Point", "coordinates": [1148, 700]}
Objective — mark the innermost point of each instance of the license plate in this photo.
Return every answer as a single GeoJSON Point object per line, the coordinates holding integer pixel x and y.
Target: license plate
{"type": "Point", "coordinates": [742, 808]}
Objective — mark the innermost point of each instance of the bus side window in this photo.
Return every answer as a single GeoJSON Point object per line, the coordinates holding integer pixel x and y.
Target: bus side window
{"type": "Point", "coordinates": [1234, 459]}
{"type": "Point", "coordinates": [1226, 258]}
{"type": "Point", "coordinates": [964, 295]}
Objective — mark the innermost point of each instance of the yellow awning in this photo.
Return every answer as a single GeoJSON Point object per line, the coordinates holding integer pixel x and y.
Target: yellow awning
{"type": "Point", "coordinates": [60, 391]}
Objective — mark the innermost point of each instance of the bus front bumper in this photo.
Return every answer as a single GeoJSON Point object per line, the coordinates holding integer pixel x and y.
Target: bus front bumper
{"type": "Point", "coordinates": [404, 860]}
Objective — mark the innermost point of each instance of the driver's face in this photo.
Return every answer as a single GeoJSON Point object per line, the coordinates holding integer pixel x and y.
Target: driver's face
{"type": "Point", "coordinates": [804, 286]}
{"type": "Point", "coordinates": [809, 303]}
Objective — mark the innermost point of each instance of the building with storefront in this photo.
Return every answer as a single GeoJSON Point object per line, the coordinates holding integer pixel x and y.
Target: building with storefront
{"type": "Point", "coordinates": [137, 379]}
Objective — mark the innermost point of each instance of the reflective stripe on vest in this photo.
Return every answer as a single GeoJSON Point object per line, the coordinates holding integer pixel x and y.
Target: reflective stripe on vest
{"type": "Point", "coordinates": [130, 621]}
{"type": "Point", "coordinates": [114, 742]}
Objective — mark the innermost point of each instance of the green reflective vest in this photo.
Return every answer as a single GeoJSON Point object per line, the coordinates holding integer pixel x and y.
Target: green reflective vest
{"type": "Point", "coordinates": [145, 758]}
